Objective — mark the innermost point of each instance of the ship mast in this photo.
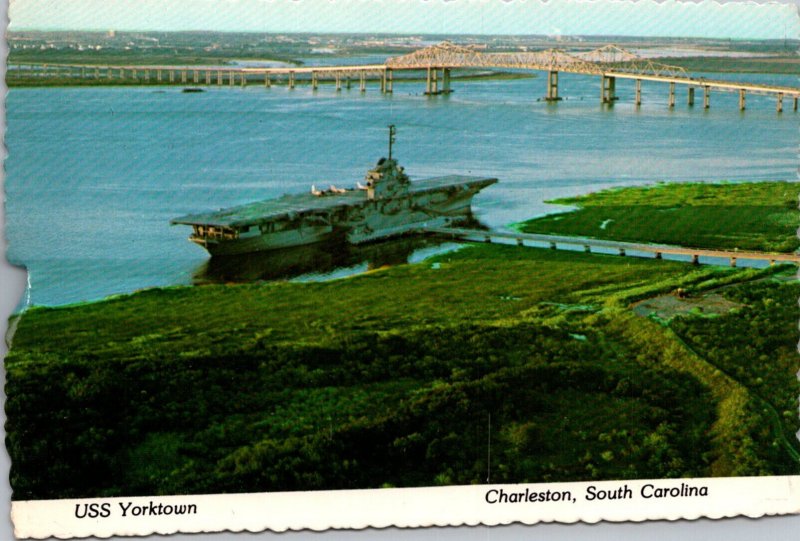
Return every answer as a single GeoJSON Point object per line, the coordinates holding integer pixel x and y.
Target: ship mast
{"type": "Point", "coordinates": [391, 139]}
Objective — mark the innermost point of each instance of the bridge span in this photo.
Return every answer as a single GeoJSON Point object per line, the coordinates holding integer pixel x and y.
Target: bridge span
{"type": "Point", "coordinates": [437, 62]}
{"type": "Point", "coordinates": [658, 251]}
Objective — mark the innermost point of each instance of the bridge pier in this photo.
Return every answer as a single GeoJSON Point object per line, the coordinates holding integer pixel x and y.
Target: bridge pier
{"type": "Point", "coordinates": [171, 76]}
{"type": "Point", "coordinates": [383, 82]}
{"type": "Point", "coordinates": [671, 100]}
{"type": "Point", "coordinates": [638, 92]}
{"type": "Point", "coordinates": [608, 87]}
{"type": "Point", "coordinates": [389, 77]}
{"type": "Point", "coordinates": [690, 97]}
{"type": "Point", "coordinates": [231, 80]}
{"type": "Point", "coordinates": [553, 246]}
{"type": "Point", "coordinates": [195, 76]}
{"type": "Point", "coordinates": [183, 76]}
{"type": "Point", "coordinates": [347, 83]}
{"type": "Point", "coordinates": [219, 77]}
{"type": "Point", "coordinates": [622, 252]}
{"type": "Point", "coordinates": [208, 77]}
{"type": "Point", "coordinates": [742, 99]}
{"type": "Point", "coordinates": [552, 86]}
{"type": "Point", "coordinates": [432, 82]}
{"type": "Point", "coordinates": [243, 81]}
{"type": "Point", "coordinates": [446, 81]}
{"type": "Point", "coordinates": [338, 82]}
{"type": "Point", "coordinates": [267, 82]}
{"type": "Point", "coordinates": [779, 104]}
{"type": "Point", "coordinates": [706, 97]}
{"type": "Point", "coordinates": [733, 261]}
{"type": "Point", "coordinates": [147, 76]}
{"type": "Point", "coordinates": [314, 80]}
{"type": "Point", "coordinates": [291, 80]}
{"type": "Point", "coordinates": [362, 81]}
{"type": "Point", "coordinates": [587, 248]}
{"type": "Point", "coordinates": [520, 242]}
{"type": "Point", "coordinates": [695, 259]}
{"type": "Point", "coordinates": [658, 255]}
{"type": "Point", "coordinates": [795, 103]}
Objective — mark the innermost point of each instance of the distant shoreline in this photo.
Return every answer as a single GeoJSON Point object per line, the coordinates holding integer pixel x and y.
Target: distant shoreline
{"type": "Point", "coordinates": [776, 65]}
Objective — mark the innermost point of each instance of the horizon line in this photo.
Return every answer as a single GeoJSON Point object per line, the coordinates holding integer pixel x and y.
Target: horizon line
{"type": "Point", "coordinates": [397, 34]}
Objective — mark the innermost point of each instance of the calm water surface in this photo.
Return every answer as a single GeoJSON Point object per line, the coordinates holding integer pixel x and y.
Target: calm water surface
{"type": "Point", "coordinates": [95, 174]}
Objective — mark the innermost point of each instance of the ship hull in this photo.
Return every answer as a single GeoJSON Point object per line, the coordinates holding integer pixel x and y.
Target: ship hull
{"type": "Point", "coordinates": [265, 241]}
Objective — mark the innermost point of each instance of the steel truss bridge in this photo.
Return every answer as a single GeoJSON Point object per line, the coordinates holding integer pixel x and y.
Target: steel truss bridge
{"type": "Point", "coordinates": [609, 63]}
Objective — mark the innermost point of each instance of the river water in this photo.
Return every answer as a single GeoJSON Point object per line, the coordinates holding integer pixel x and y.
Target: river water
{"type": "Point", "coordinates": [95, 174]}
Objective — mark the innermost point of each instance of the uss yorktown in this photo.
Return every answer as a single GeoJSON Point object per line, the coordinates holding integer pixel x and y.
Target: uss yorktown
{"type": "Point", "coordinates": [389, 204]}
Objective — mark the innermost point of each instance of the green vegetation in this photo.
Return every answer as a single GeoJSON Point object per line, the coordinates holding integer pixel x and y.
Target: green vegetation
{"type": "Point", "coordinates": [763, 363]}
{"type": "Point", "coordinates": [390, 379]}
{"type": "Point", "coordinates": [421, 374]}
{"type": "Point", "coordinates": [748, 216]}
{"type": "Point", "coordinates": [781, 63]}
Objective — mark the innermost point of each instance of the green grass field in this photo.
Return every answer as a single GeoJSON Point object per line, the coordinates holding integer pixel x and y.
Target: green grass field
{"type": "Point", "coordinates": [748, 216]}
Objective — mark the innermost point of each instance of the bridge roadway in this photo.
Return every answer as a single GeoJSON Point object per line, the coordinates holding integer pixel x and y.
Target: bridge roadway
{"type": "Point", "coordinates": [622, 248]}
{"type": "Point", "coordinates": [780, 92]}
{"type": "Point", "coordinates": [208, 75]}
{"type": "Point", "coordinates": [609, 63]}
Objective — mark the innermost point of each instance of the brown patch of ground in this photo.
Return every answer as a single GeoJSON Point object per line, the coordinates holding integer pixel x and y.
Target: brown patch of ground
{"type": "Point", "coordinates": [668, 306]}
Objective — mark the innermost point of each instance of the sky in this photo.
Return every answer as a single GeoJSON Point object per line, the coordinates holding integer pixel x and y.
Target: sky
{"type": "Point", "coordinates": [697, 18]}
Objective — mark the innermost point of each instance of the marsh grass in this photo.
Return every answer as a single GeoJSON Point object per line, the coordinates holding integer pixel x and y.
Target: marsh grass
{"type": "Point", "coordinates": [748, 216]}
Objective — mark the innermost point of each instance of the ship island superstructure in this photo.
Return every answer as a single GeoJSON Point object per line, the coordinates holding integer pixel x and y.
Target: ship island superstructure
{"type": "Point", "coordinates": [388, 205]}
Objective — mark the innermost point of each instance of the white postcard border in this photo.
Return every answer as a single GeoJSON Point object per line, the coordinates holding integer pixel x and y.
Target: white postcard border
{"type": "Point", "coordinates": [637, 500]}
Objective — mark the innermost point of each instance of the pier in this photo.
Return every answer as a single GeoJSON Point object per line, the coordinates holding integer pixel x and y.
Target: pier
{"type": "Point", "coordinates": [657, 251]}
{"type": "Point", "coordinates": [435, 64]}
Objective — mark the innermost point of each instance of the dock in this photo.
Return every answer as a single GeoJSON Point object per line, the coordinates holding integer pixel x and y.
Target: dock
{"type": "Point", "coordinates": [695, 255]}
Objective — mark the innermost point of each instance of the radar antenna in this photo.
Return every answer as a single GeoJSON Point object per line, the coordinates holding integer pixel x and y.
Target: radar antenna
{"type": "Point", "coordinates": [391, 139]}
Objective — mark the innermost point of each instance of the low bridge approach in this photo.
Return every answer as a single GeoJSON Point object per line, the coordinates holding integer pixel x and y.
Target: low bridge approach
{"type": "Point", "coordinates": [609, 63]}
{"type": "Point", "coordinates": [622, 248]}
